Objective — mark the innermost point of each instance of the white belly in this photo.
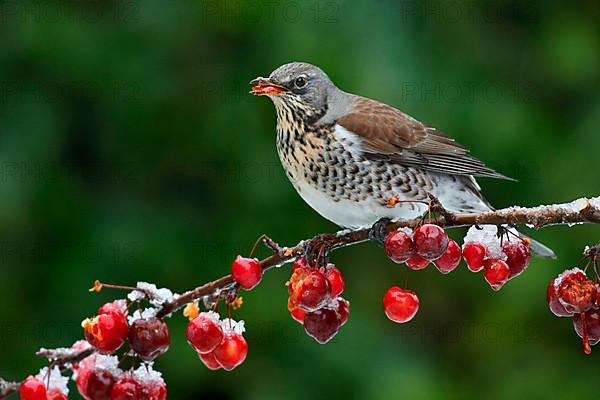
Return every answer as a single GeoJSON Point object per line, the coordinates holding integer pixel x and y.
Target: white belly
{"type": "Point", "coordinates": [355, 214]}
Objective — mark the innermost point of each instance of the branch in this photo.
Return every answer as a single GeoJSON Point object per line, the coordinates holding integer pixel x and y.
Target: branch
{"type": "Point", "coordinates": [579, 211]}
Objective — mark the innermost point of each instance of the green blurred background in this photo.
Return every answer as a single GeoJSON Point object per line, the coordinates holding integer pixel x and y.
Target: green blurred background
{"type": "Point", "coordinates": [130, 150]}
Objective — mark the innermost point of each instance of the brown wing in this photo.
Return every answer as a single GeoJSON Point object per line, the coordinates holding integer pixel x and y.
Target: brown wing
{"type": "Point", "coordinates": [390, 134]}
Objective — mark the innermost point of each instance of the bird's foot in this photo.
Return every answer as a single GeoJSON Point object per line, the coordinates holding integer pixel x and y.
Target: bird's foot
{"type": "Point", "coordinates": [377, 231]}
{"type": "Point", "coordinates": [317, 249]}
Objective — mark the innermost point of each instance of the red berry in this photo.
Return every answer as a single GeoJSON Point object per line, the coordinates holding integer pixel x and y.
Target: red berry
{"type": "Point", "coordinates": [313, 292]}
{"type": "Point", "coordinates": [450, 259]}
{"type": "Point", "coordinates": [417, 262]}
{"type": "Point", "coordinates": [555, 305]}
{"type": "Point", "coordinates": [246, 271]}
{"type": "Point", "coordinates": [400, 305]}
{"type": "Point", "coordinates": [106, 332]}
{"type": "Point", "coordinates": [32, 389]}
{"type": "Point", "coordinates": [517, 256]}
{"type": "Point", "coordinates": [116, 307]}
{"type": "Point", "coordinates": [591, 333]}
{"type": "Point", "coordinates": [149, 338]}
{"type": "Point", "coordinates": [398, 246]}
{"type": "Point", "coordinates": [295, 282]}
{"type": "Point", "coordinates": [323, 324]}
{"type": "Point", "coordinates": [298, 315]}
{"type": "Point", "coordinates": [474, 254]}
{"type": "Point", "coordinates": [336, 280]}
{"type": "Point", "coordinates": [155, 390]}
{"type": "Point", "coordinates": [56, 395]}
{"type": "Point", "coordinates": [84, 372]}
{"type": "Point", "coordinates": [430, 241]}
{"type": "Point", "coordinates": [210, 361]}
{"type": "Point", "coordinates": [343, 310]}
{"type": "Point", "coordinates": [232, 351]}
{"type": "Point", "coordinates": [299, 263]}
{"type": "Point", "coordinates": [204, 332]}
{"type": "Point", "coordinates": [99, 385]}
{"type": "Point", "coordinates": [126, 388]}
{"type": "Point", "coordinates": [575, 291]}
{"type": "Point", "coordinates": [496, 273]}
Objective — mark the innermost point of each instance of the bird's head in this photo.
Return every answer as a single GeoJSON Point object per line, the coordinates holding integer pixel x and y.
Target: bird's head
{"type": "Point", "coordinates": [295, 85]}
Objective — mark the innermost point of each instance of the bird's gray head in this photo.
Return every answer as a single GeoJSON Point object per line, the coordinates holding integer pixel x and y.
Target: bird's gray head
{"type": "Point", "coordinates": [296, 84]}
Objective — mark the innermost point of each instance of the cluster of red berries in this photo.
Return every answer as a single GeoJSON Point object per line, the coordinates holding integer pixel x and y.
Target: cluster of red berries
{"type": "Point", "coordinates": [429, 243]}
{"type": "Point", "coordinates": [40, 388]}
{"type": "Point", "coordinates": [314, 299]}
{"type": "Point", "coordinates": [219, 344]}
{"type": "Point", "coordinates": [107, 332]}
{"type": "Point", "coordinates": [98, 377]}
{"type": "Point", "coordinates": [572, 294]}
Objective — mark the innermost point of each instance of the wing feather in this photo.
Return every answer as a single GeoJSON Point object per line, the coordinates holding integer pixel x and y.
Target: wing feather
{"type": "Point", "coordinates": [388, 133]}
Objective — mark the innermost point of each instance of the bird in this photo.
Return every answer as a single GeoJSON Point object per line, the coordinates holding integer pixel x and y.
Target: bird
{"type": "Point", "coordinates": [357, 161]}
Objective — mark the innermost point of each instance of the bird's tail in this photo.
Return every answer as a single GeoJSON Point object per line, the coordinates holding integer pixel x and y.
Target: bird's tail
{"type": "Point", "coordinates": [477, 203]}
{"type": "Point", "coordinates": [538, 248]}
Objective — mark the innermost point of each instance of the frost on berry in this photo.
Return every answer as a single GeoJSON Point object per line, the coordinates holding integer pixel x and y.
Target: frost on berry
{"type": "Point", "coordinates": [417, 262]}
{"type": "Point", "coordinates": [95, 376]}
{"type": "Point", "coordinates": [587, 326]}
{"type": "Point", "coordinates": [398, 246]}
{"type": "Point", "coordinates": [54, 380]}
{"type": "Point", "coordinates": [99, 385]}
{"type": "Point", "coordinates": [430, 241]}
{"type": "Point", "coordinates": [575, 291]}
{"type": "Point", "coordinates": [247, 272]}
{"type": "Point", "coordinates": [400, 305]}
{"type": "Point", "coordinates": [204, 332]}
{"type": "Point", "coordinates": [149, 338]}
{"type": "Point", "coordinates": [152, 385]}
{"type": "Point", "coordinates": [142, 384]}
{"type": "Point", "coordinates": [450, 259]}
{"type": "Point", "coordinates": [474, 255]}
{"type": "Point", "coordinates": [33, 389]}
{"type": "Point", "coordinates": [496, 273]}
{"type": "Point", "coordinates": [487, 235]}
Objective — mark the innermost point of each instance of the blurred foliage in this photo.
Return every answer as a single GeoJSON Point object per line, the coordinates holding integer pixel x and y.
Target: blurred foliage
{"type": "Point", "coordinates": [130, 150]}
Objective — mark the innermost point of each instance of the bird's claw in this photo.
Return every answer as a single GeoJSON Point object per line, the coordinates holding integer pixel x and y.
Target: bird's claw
{"type": "Point", "coordinates": [317, 249]}
{"type": "Point", "coordinates": [378, 230]}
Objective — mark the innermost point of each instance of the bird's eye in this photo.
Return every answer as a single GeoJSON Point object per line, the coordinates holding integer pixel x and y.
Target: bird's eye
{"type": "Point", "coordinates": [300, 82]}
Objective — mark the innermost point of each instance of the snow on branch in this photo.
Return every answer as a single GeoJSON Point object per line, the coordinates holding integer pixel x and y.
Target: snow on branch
{"type": "Point", "coordinates": [579, 211]}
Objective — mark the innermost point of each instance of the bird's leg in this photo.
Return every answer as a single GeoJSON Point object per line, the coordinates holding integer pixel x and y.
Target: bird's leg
{"type": "Point", "coordinates": [377, 231]}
